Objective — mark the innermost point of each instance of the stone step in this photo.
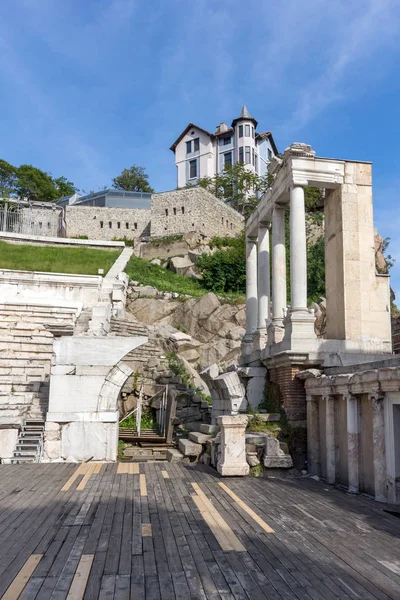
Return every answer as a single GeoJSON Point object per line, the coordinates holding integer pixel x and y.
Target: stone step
{"type": "Point", "coordinates": [174, 455]}
{"type": "Point", "coordinates": [30, 448]}
{"type": "Point", "coordinates": [22, 459]}
{"type": "Point", "coordinates": [209, 429]}
{"type": "Point", "coordinates": [199, 438]}
{"type": "Point", "coordinates": [189, 448]}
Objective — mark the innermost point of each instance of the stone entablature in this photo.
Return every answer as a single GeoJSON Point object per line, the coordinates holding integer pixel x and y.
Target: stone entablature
{"type": "Point", "coordinates": [353, 427]}
{"type": "Point", "coordinates": [104, 223]}
{"type": "Point", "coordinates": [193, 209]}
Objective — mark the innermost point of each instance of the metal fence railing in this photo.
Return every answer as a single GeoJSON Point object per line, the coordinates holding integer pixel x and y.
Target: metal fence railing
{"type": "Point", "coordinates": [31, 218]}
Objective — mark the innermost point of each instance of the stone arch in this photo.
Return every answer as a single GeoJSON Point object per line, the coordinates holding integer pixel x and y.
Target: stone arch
{"type": "Point", "coordinates": [112, 386]}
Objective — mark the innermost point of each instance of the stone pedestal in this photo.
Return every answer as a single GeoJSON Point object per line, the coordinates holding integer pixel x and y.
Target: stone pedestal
{"type": "Point", "coordinates": [274, 456]}
{"type": "Point", "coordinates": [232, 460]}
{"type": "Point", "coordinates": [299, 329]}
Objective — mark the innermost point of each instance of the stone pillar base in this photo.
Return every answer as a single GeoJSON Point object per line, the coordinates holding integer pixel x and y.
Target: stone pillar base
{"type": "Point", "coordinates": [299, 329]}
{"type": "Point", "coordinates": [275, 332]}
{"type": "Point", "coordinates": [247, 344]}
{"type": "Point", "coordinates": [260, 339]}
{"type": "Point", "coordinates": [232, 459]}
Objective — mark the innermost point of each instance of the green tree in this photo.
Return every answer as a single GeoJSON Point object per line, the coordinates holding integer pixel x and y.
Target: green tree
{"type": "Point", "coordinates": [238, 187]}
{"type": "Point", "coordinates": [34, 184]}
{"type": "Point", "coordinates": [134, 179]}
{"type": "Point", "coordinates": [64, 187]}
{"type": "Point", "coordinates": [8, 176]}
{"type": "Point", "coordinates": [225, 270]}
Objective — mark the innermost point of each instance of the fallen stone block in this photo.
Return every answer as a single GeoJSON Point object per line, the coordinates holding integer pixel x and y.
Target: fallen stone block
{"type": "Point", "coordinates": [252, 459]}
{"type": "Point", "coordinates": [199, 438]}
{"type": "Point", "coordinates": [278, 462]}
{"type": "Point", "coordinates": [189, 448]}
{"type": "Point", "coordinates": [173, 455]}
{"type": "Point", "coordinates": [209, 429]}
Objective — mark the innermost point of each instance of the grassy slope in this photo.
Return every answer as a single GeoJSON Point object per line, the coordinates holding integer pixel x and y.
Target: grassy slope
{"type": "Point", "coordinates": [82, 260]}
{"type": "Point", "coordinates": [163, 279]}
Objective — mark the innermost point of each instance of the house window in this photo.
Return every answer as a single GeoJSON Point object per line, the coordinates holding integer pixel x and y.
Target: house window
{"type": "Point", "coordinates": [228, 159]}
{"type": "Point", "coordinates": [135, 225]}
{"type": "Point", "coordinates": [248, 156]}
{"type": "Point", "coordinates": [183, 210]}
{"type": "Point", "coordinates": [269, 154]}
{"type": "Point", "coordinates": [192, 169]}
{"type": "Point", "coordinates": [101, 224]}
{"type": "Point", "coordinates": [188, 147]}
{"type": "Point", "coordinates": [241, 154]}
{"type": "Point", "coordinates": [247, 130]}
{"type": "Point", "coordinates": [227, 141]}
{"type": "Point", "coordinates": [252, 156]}
{"type": "Point", "coordinates": [240, 130]}
{"type": "Point", "coordinates": [127, 225]}
{"type": "Point", "coordinates": [196, 143]}
{"type": "Point", "coordinates": [119, 225]}
{"type": "Point", "coordinates": [256, 162]}
{"type": "Point", "coordinates": [110, 224]}
{"type": "Point", "coordinates": [252, 132]}
{"type": "Point", "coordinates": [174, 210]}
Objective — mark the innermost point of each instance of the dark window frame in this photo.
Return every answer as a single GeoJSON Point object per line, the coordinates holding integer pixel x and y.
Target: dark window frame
{"type": "Point", "coordinates": [192, 169]}
{"type": "Point", "coordinates": [240, 131]}
{"type": "Point", "coordinates": [189, 147]}
{"type": "Point", "coordinates": [196, 144]}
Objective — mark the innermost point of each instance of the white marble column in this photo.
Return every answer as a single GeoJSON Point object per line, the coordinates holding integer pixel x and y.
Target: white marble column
{"type": "Point", "coordinates": [263, 276]}
{"type": "Point", "coordinates": [313, 447]}
{"type": "Point", "coordinates": [330, 439]}
{"type": "Point", "coordinates": [353, 441]}
{"type": "Point", "coordinates": [251, 287]}
{"type": "Point", "coordinates": [279, 299]}
{"type": "Point", "coordinates": [298, 250]}
{"type": "Point", "coordinates": [378, 434]}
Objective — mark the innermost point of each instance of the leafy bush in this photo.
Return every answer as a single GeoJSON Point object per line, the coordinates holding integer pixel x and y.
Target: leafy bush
{"type": "Point", "coordinates": [316, 269]}
{"type": "Point", "coordinates": [226, 242]}
{"type": "Point", "coordinates": [225, 270]}
{"type": "Point", "coordinates": [146, 422]}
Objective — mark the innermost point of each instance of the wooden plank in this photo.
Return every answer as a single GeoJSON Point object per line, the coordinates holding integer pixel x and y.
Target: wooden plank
{"type": "Point", "coordinates": [86, 477]}
{"type": "Point", "coordinates": [78, 585]}
{"type": "Point", "coordinates": [122, 468]}
{"type": "Point", "coordinates": [247, 509]}
{"type": "Point", "coordinates": [143, 486]}
{"type": "Point", "coordinates": [17, 586]}
{"type": "Point", "coordinates": [133, 468]}
{"type": "Point", "coordinates": [146, 530]}
{"type": "Point", "coordinates": [165, 474]}
{"type": "Point", "coordinates": [81, 470]}
{"type": "Point", "coordinates": [224, 534]}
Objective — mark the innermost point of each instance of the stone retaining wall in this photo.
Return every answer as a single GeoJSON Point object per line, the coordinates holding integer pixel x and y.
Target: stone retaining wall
{"type": "Point", "coordinates": [193, 209]}
{"type": "Point", "coordinates": [107, 223]}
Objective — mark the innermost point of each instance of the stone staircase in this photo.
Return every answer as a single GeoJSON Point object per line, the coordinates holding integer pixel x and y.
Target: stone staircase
{"type": "Point", "coordinates": [25, 360]}
{"type": "Point", "coordinates": [82, 322]}
{"type": "Point", "coordinates": [59, 320]}
{"type": "Point", "coordinates": [30, 442]}
{"type": "Point", "coordinates": [133, 328]}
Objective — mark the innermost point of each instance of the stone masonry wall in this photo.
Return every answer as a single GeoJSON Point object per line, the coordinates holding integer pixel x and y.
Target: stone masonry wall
{"type": "Point", "coordinates": [193, 209]}
{"type": "Point", "coordinates": [102, 223]}
{"type": "Point", "coordinates": [38, 221]}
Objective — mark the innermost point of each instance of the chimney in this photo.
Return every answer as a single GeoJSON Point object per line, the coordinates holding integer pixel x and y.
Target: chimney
{"type": "Point", "coordinates": [223, 127]}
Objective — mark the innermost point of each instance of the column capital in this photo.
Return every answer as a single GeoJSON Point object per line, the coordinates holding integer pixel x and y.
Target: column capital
{"type": "Point", "coordinates": [252, 239]}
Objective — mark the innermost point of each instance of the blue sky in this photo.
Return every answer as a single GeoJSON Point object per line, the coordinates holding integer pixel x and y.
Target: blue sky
{"type": "Point", "coordinates": [89, 87]}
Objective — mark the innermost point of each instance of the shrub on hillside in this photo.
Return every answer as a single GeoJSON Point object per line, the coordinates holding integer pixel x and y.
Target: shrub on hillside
{"type": "Point", "coordinates": [225, 271]}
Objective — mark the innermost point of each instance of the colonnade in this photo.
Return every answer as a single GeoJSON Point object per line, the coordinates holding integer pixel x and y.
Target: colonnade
{"type": "Point", "coordinates": [335, 449]}
{"type": "Point", "coordinates": [258, 276]}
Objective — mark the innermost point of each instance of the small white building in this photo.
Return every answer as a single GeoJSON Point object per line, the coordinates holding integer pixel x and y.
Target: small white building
{"type": "Point", "coordinates": [199, 153]}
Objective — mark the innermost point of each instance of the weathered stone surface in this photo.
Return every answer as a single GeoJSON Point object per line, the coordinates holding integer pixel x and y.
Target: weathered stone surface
{"type": "Point", "coordinates": [275, 456]}
{"type": "Point", "coordinates": [252, 459]}
{"type": "Point", "coordinates": [198, 437]}
{"type": "Point", "coordinates": [144, 290]}
{"type": "Point", "coordinates": [208, 429]}
{"type": "Point", "coordinates": [150, 310]}
{"type": "Point", "coordinates": [180, 264]}
{"type": "Point", "coordinates": [173, 455]}
{"type": "Point", "coordinates": [232, 460]}
{"type": "Point", "coordinates": [179, 336]}
{"type": "Point", "coordinates": [189, 448]}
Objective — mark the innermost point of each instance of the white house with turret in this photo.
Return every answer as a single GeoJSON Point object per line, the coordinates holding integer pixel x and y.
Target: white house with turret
{"type": "Point", "coordinates": [199, 153]}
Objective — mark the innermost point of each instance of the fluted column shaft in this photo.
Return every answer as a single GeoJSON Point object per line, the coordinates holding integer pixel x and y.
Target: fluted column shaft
{"type": "Point", "coordinates": [279, 300]}
{"type": "Point", "coordinates": [263, 276]}
{"type": "Point", "coordinates": [298, 250]}
{"type": "Point", "coordinates": [251, 286]}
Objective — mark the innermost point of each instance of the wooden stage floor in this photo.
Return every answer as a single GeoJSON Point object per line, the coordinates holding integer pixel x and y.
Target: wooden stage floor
{"type": "Point", "coordinates": [154, 531]}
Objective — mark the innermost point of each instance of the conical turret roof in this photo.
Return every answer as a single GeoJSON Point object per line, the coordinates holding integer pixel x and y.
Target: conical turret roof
{"type": "Point", "coordinates": [244, 115]}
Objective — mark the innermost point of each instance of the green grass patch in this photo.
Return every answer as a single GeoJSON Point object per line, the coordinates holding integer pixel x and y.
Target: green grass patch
{"type": "Point", "coordinates": [54, 259]}
{"type": "Point", "coordinates": [164, 280]}
{"type": "Point", "coordinates": [146, 422]}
